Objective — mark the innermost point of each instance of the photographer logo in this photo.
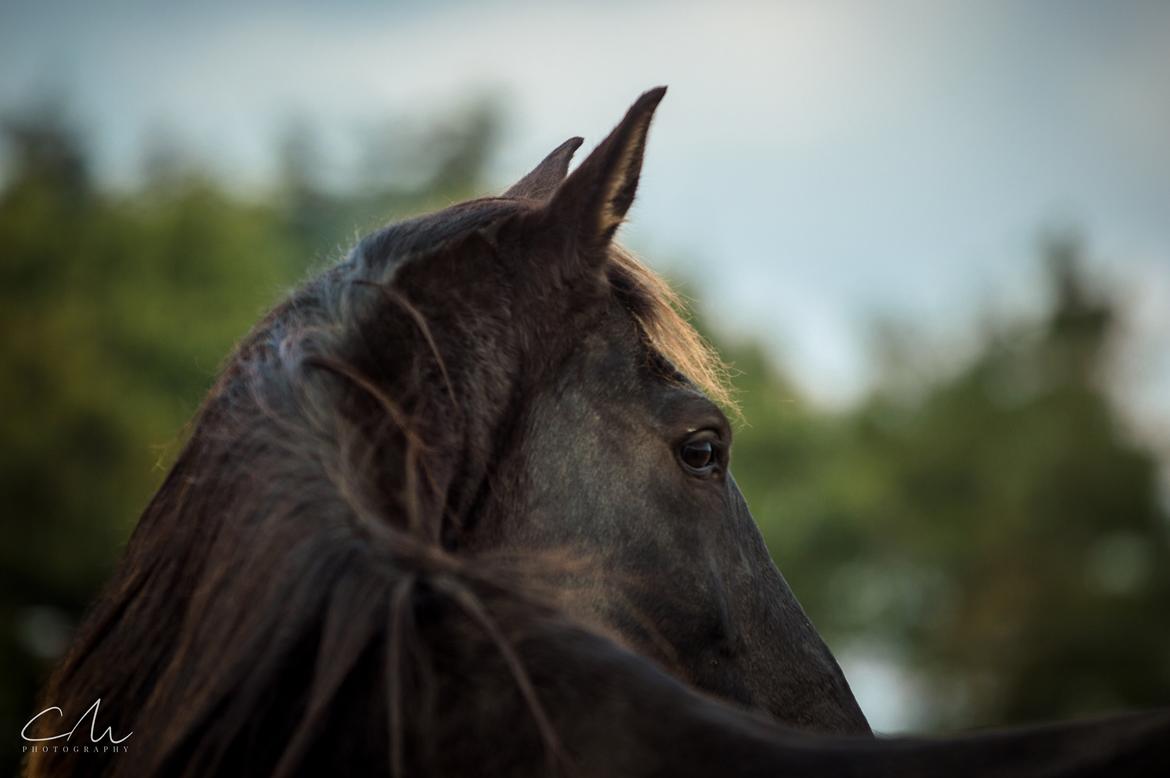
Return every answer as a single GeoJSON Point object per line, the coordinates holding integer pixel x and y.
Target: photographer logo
{"type": "Point", "coordinates": [105, 742]}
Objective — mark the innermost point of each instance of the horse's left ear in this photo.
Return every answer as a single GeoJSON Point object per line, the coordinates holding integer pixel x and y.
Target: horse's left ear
{"type": "Point", "coordinates": [544, 179]}
{"type": "Point", "coordinates": [595, 198]}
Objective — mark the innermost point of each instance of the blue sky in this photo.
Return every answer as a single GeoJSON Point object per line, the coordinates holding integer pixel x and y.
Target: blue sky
{"type": "Point", "coordinates": [814, 164]}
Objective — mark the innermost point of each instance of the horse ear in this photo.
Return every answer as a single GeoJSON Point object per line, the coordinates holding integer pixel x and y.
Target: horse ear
{"type": "Point", "coordinates": [596, 197]}
{"type": "Point", "coordinates": [544, 179]}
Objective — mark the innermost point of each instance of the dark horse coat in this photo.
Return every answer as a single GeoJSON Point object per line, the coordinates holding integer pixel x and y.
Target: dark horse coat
{"type": "Point", "coordinates": [462, 505]}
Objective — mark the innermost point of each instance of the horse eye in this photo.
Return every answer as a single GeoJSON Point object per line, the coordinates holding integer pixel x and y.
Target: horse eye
{"type": "Point", "coordinates": [698, 456]}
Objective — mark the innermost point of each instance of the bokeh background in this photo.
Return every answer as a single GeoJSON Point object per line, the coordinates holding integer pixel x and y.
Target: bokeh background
{"type": "Point", "coordinates": [932, 238]}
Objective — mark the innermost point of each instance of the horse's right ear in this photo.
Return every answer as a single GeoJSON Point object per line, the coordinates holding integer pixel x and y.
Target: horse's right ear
{"type": "Point", "coordinates": [594, 200]}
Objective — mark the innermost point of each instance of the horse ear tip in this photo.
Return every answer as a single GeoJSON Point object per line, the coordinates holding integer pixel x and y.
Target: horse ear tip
{"type": "Point", "coordinates": [646, 104]}
{"type": "Point", "coordinates": [652, 97]}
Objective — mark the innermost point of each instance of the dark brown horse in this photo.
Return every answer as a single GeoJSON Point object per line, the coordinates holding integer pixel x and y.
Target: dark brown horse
{"type": "Point", "coordinates": [462, 506]}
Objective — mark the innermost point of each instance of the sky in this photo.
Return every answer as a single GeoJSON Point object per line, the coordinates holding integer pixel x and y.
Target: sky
{"type": "Point", "coordinates": [814, 165]}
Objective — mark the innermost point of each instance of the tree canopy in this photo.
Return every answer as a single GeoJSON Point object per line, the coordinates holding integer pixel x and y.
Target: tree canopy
{"type": "Point", "coordinates": [994, 527]}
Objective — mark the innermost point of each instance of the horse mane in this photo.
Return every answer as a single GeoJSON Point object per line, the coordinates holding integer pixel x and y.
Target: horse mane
{"type": "Point", "coordinates": [289, 592]}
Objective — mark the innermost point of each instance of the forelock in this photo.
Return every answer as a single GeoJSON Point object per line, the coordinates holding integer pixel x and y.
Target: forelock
{"type": "Point", "coordinates": [661, 314]}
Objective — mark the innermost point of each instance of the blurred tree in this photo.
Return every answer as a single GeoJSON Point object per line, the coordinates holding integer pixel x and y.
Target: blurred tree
{"type": "Point", "coordinates": [401, 170]}
{"type": "Point", "coordinates": [116, 310]}
{"type": "Point", "coordinates": [992, 526]}
{"type": "Point", "coordinates": [997, 528]}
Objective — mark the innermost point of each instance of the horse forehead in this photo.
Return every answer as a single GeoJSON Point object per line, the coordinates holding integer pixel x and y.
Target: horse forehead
{"type": "Point", "coordinates": [608, 348]}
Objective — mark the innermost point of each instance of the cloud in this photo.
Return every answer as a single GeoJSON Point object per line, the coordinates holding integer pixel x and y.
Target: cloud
{"type": "Point", "coordinates": [843, 157]}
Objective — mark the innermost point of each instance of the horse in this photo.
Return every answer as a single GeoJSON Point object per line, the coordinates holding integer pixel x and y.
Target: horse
{"type": "Point", "coordinates": [462, 505]}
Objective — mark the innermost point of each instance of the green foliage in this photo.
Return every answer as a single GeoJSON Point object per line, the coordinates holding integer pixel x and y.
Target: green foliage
{"type": "Point", "coordinates": [117, 309]}
{"type": "Point", "coordinates": [993, 526]}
